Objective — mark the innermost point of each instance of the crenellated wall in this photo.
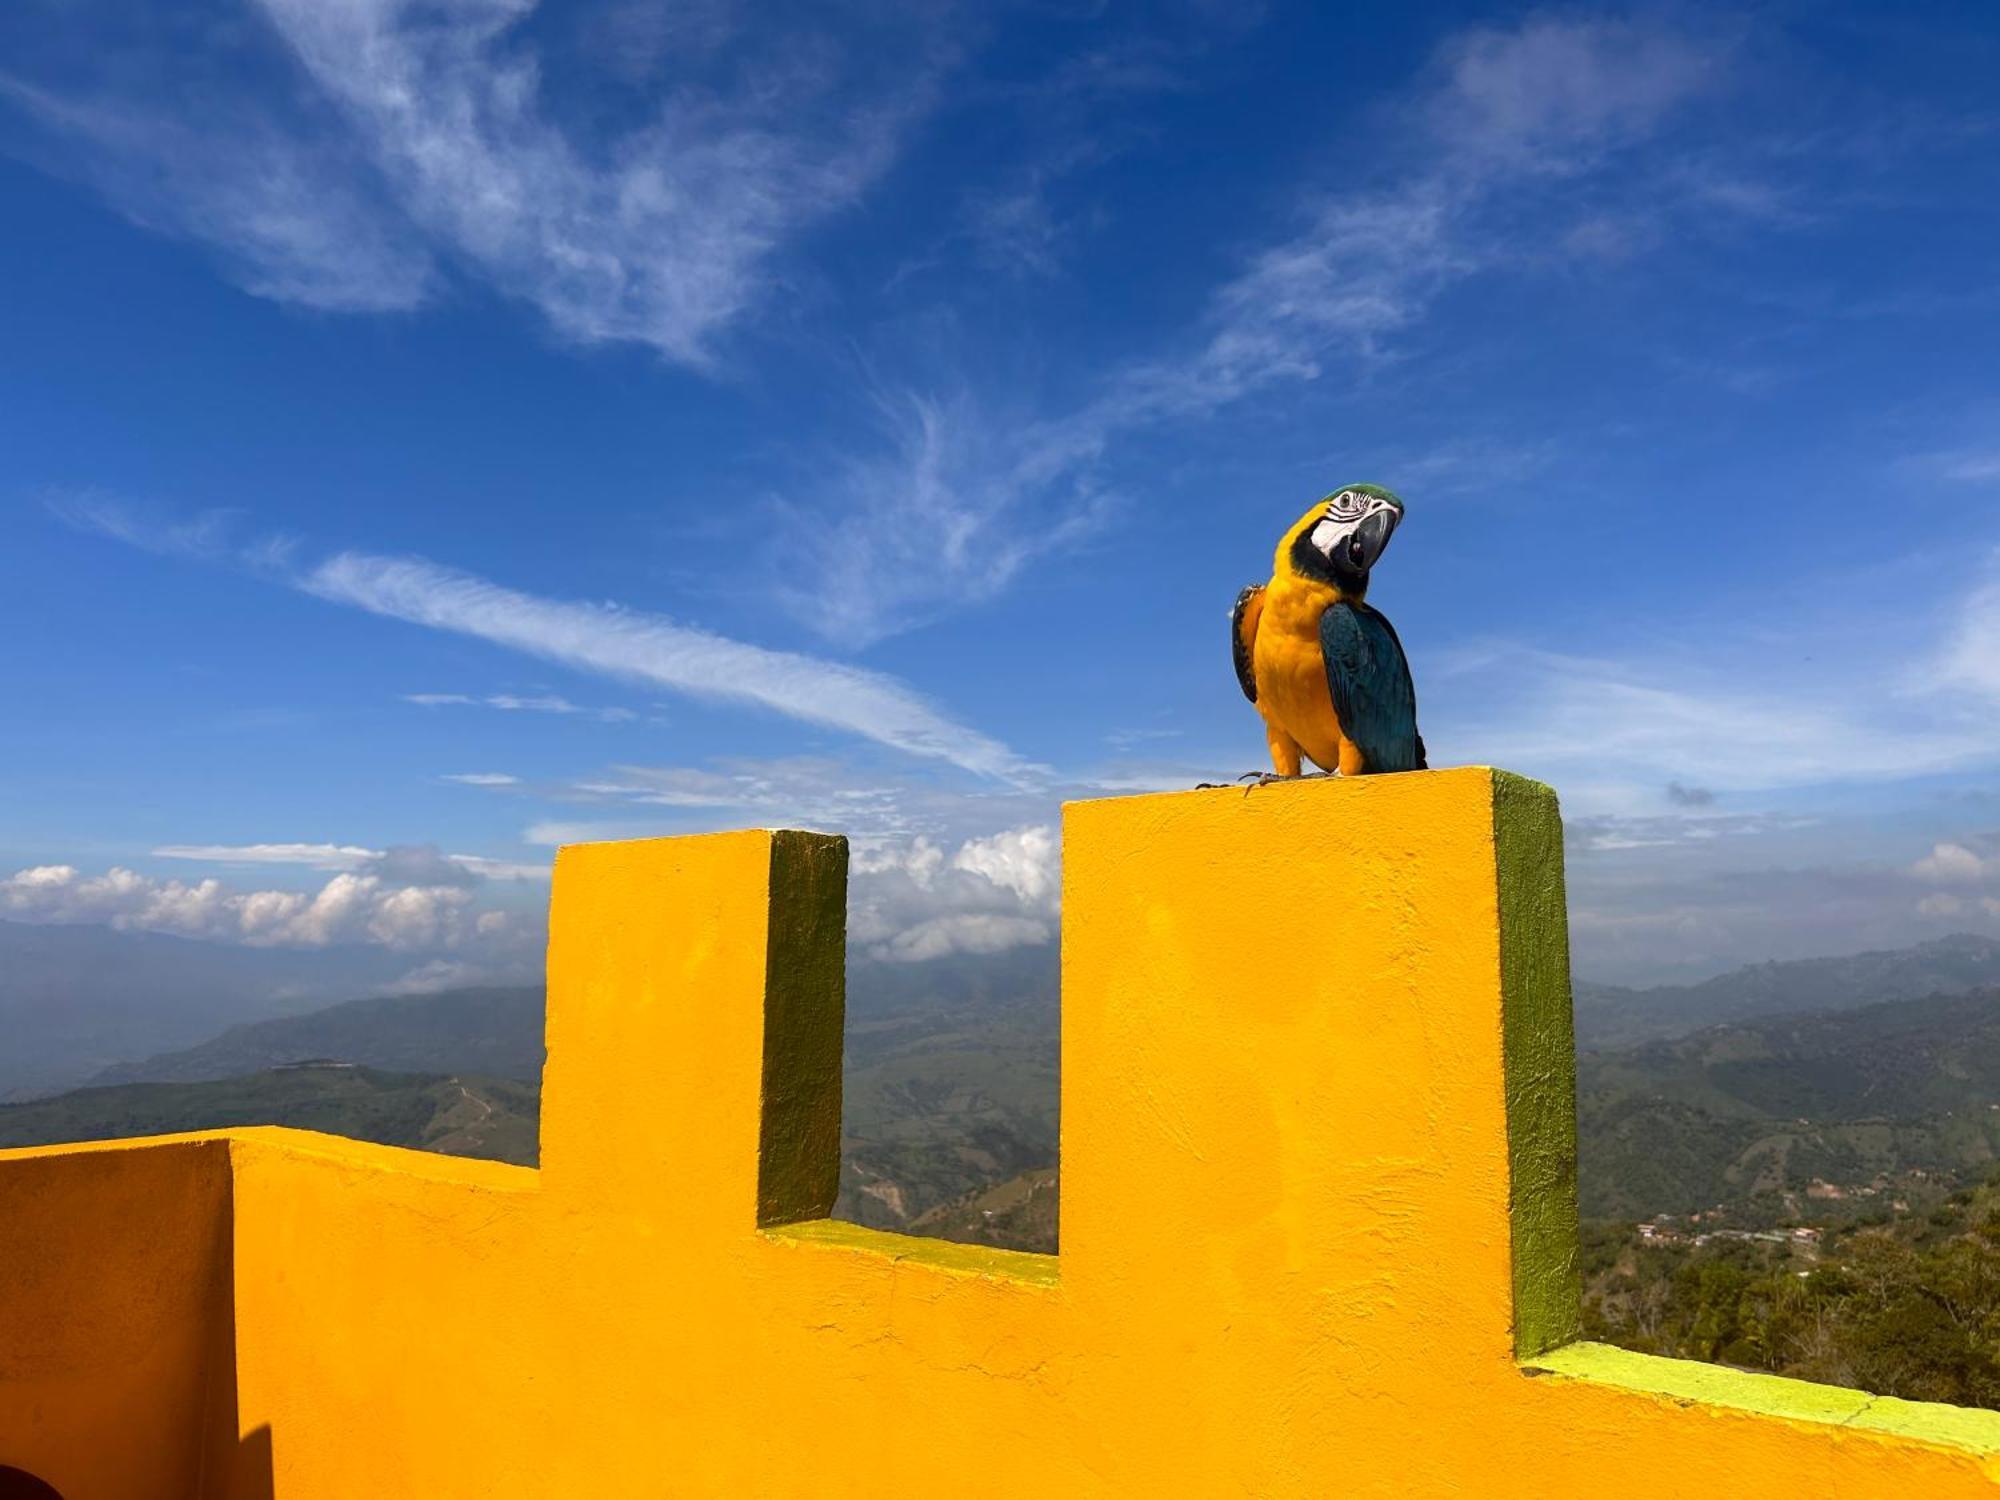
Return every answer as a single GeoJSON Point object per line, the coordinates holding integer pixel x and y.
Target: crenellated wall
{"type": "Point", "coordinates": [1318, 1219]}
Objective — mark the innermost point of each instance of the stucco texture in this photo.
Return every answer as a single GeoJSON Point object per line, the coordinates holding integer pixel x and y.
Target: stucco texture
{"type": "Point", "coordinates": [1318, 1220]}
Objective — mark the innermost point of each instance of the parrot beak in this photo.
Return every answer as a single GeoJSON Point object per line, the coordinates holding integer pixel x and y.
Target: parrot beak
{"type": "Point", "coordinates": [1369, 540]}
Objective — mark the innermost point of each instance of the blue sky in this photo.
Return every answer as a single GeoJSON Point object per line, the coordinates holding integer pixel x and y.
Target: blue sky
{"type": "Point", "coordinates": [436, 432]}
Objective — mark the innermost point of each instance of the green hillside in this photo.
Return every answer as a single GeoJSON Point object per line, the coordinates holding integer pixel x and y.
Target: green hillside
{"type": "Point", "coordinates": [952, 1069]}
{"type": "Point", "coordinates": [461, 1115]}
{"type": "Point", "coordinates": [944, 1098]}
{"type": "Point", "coordinates": [1753, 1114]}
{"type": "Point", "coordinates": [497, 1032]}
{"type": "Point", "coordinates": [1018, 1214]}
{"type": "Point", "coordinates": [1904, 1303]}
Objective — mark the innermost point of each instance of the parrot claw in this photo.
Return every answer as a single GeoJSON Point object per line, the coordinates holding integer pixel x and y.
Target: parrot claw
{"type": "Point", "coordinates": [1255, 779]}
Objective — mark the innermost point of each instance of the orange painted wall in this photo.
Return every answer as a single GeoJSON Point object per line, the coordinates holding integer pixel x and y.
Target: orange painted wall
{"type": "Point", "coordinates": [1289, 1229]}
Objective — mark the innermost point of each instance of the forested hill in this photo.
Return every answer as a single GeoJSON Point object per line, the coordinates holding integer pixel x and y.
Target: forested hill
{"type": "Point", "coordinates": [1753, 1114]}
{"type": "Point", "coordinates": [459, 1115]}
{"type": "Point", "coordinates": [952, 1076]}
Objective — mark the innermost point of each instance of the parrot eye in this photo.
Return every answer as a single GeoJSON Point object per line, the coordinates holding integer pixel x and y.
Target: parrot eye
{"type": "Point", "coordinates": [1343, 507]}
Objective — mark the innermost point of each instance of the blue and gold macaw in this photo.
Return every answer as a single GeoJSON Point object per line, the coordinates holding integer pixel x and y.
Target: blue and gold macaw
{"type": "Point", "coordinates": [1324, 669]}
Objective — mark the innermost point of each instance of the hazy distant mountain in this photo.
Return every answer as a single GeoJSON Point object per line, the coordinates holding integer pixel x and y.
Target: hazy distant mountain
{"type": "Point", "coordinates": [1761, 1108]}
{"type": "Point", "coordinates": [76, 998]}
{"type": "Point", "coordinates": [463, 1116]}
{"type": "Point", "coordinates": [952, 1066]}
{"type": "Point", "coordinates": [951, 1080]}
{"type": "Point", "coordinates": [492, 1031]}
{"type": "Point", "coordinates": [1611, 1016]}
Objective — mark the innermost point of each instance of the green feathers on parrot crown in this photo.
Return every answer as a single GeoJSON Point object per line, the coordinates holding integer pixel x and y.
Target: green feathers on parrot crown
{"type": "Point", "coordinates": [1362, 489]}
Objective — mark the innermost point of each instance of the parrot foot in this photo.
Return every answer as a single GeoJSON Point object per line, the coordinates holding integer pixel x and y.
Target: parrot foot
{"type": "Point", "coordinates": [1251, 780]}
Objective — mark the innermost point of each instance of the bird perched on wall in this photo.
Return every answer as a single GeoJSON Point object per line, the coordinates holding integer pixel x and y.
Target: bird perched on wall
{"type": "Point", "coordinates": [1324, 668]}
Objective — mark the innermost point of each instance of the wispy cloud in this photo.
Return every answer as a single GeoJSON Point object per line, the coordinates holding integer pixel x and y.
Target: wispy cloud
{"type": "Point", "coordinates": [425, 135]}
{"type": "Point", "coordinates": [962, 496]}
{"type": "Point", "coordinates": [535, 703]}
{"type": "Point", "coordinates": [315, 856]}
{"type": "Point", "coordinates": [481, 778]}
{"type": "Point", "coordinates": [625, 644]}
{"type": "Point", "coordinates": [1971, 655]}
{"type": "Point", "coordinates": [1970, 467]}
{"type": "Point", "coordinates": [1614, 731]}
{"type": "Point", "coordinates": [413, 864]}
{"type": "Point", "coordinates": [647, 648]}
{"type": "Point", "coordinates": [948, 515]}
{"type": "Point", "coordinates": [293, 214]}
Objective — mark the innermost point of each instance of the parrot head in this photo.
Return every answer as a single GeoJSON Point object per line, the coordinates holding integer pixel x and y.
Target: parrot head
{"type": "Point", "coordinates": [1339, 539]}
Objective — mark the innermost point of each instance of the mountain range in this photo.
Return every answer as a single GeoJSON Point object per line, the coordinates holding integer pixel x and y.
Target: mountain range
{"type": "Point", "coordinates": [1614, 1016]}
{"type": "Point", "coordinates": [76, 998]}
{"type": "Point", "coordinates": [1746, 1088]}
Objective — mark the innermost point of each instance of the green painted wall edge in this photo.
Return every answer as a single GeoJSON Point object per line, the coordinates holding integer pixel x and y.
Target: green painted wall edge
{"type": "Point", "coordinates": [805, 1019]}
{"type": "Point", "coordinates": [1685, 1381]}
{"type": "Point", "coordinates": [1539, 1047]}
{"type": "Point", "coordinates": [942, 1255]}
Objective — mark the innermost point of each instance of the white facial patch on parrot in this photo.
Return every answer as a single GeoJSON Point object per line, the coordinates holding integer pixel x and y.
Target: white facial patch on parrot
{"type": "Point", "coordinates": [1344, 512]}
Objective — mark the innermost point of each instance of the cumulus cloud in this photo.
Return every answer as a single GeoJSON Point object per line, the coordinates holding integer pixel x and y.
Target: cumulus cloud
{"type": "Point", "coordinates": [1965, 874]}
{"type": "Point", "coordinates": [348, 908]}
{"type": "Point", "coordinates": [1953, 864]}
{"type": "Point", "coordinates": [912, 900]}
{"type": "Point", "coordinates": [1025, 861]}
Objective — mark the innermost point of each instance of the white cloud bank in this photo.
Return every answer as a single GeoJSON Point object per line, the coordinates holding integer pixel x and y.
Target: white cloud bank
{"type": "Point", "coordinates": [910, 899]}
{"type": "Point", "coordinates": [348, 908]}
{"type": "Point", "coordinates": [913, 901]}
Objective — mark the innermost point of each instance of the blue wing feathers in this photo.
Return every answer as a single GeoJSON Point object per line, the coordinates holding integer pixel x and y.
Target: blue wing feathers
{"type": "Point", "coordinates": [1373, 696]}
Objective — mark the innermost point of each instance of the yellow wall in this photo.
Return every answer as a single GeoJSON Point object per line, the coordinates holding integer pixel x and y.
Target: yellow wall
{"type": "Point", "coordinates": [1310, 1055]}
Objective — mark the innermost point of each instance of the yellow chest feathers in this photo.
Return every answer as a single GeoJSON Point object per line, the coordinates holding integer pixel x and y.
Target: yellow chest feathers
{"type": "Point", "coordinates": [1290, 670]}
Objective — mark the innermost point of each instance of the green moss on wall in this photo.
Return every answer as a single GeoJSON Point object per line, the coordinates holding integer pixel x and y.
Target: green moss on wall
{"type": "Point", "coordinates": [1540, 1051]}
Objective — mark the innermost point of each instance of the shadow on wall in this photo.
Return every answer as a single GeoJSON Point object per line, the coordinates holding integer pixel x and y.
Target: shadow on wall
{"type": "Point", "coordinates": [118, 1373]}
{"type": "Point", "coordinates": [19, 1484]}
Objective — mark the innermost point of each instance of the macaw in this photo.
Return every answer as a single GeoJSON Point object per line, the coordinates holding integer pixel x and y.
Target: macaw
{"type": "Point", "coordinates": [1324, 669]}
